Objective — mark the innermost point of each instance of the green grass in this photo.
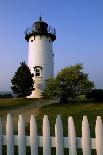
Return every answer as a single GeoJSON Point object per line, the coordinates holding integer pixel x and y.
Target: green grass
{"type": "Point", "coordinates": [18, 102]}
{"type": "Point", "coordinates": [14, 102]}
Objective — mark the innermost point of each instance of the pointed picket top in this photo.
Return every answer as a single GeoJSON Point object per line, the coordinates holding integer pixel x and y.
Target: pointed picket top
{"type": "Point", "coordinates": [99, 135]}
{"type": "Point", "coordinates": [86, 141]}
{"type": "Point", "coordinates": [59, 136]}
{"type": "Point", "coordinates": [0, 136]}
{"type": "Point", "coordinates": [46, 136]}
{"type": "Point", "coordinates": [9, 124]}
{"type": "Point", "coordinates": [33, 136]}
{"type": "Point", "coordinates": [10, 137]}
{"type": "Point", "coordinates": [59, 123]}
{"type": "Point", "coordinates": [72, 137]}
{"type": "Point", "coordinates": [21, 136]}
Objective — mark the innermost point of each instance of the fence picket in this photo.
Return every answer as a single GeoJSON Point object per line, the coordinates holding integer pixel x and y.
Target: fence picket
{"type": "Point", "coordinates": [86, 142]}
{"type": "Point", "coordinates": [46, 136]}
{"type": "Point", "coordinates": [99, 136]}
{"type": "Point", "coordinates": [33, 136]}
{"type": "Point", "coordinates": [71, 137]}
{"type": "Point", "coordinates": [59, 136]}
{"type": "Point", "coordinates": [0, 136]}
{"type": "Point", "coordinates": [10, 137]}
{"type": "Point", "coordinates": [21, 136]}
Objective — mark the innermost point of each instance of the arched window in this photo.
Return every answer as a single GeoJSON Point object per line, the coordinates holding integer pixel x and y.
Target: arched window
{"type": "Point", "coordinates": [38, 71]}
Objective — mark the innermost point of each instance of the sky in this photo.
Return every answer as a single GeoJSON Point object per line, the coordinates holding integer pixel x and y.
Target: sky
{"type": "Point", "coordinates": [79, 32]}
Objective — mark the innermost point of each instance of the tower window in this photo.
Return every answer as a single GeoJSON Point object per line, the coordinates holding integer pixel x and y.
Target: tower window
{"type": "Point", "coordinates": [37, 70]}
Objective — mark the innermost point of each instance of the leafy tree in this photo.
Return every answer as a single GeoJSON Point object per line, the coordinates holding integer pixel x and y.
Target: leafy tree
{"type": "Point", "coordinates": [22, 82]}
{"type": "Point", "coordinates": [50, 88]}
{"type": "Point", "coordinates": [69, 83]}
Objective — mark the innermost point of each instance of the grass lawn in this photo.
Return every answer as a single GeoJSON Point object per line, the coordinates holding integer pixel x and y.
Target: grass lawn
{"type": "Point", "coordinates": [15, 102]}
{"type": "Point", "coordinates": [77, 110]}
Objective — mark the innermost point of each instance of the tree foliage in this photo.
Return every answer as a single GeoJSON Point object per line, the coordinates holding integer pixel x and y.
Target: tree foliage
{"type": "Point", "coordinates": [50, 89]}
{"type": "Point", "coordinates": [22, 82]}
{"type": "Point", "coordinates": [69, 83]}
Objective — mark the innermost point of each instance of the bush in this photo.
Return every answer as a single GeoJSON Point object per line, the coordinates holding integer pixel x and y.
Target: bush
{"type": "Point", "coordinates": [95, 94]}
{"type": "Point", "coordinates": [6, 96]}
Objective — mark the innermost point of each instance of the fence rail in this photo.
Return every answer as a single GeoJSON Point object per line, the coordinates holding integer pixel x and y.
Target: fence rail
{"type": "Point", "coordinates": [47, 142]}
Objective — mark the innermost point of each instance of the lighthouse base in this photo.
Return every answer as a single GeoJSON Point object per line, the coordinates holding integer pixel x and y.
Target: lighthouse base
{"type": "Point", "coordinates": [35, 94]}
{"type": "Point", "coordinates": [39, 87]}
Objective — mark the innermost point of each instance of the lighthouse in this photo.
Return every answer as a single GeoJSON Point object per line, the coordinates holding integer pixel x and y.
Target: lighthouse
{"type": "Point", "coordinates": [40, 38]}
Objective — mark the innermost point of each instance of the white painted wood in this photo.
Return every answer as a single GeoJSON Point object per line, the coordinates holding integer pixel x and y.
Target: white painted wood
{"type": "Point", "coordinates": [33, 136]}
{"type": "Point", "coordinates": [86, 142]}
{"type": "Point", "coordinates": [1, 140]}
{"type": "Point", "coordinates": [59, 136]}
{"type": "Point", "coordinates": [53, 141]}
{"type": "Point", "coordinates": [72, 142]}
{"type": "Point", "coordinates": [99, 136]}
{"type": "Point", "coordinates": [10, 136]}
{"type": "Point", "coordinates": [21, 136]}
{"type": "Point", "coordinates": [72, 137]}
{"type": "Point", "coordinates": [46, 136]}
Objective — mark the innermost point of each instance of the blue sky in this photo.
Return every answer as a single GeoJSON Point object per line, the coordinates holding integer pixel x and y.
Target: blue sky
{"type": "Point", "coordinates": [79, 26]}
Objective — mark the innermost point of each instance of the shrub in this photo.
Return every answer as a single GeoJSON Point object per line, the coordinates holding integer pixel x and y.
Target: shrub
{"type": "Point", "coordinates": [95, 94]}
{"type": "Point", "coordinates": [6, 96]}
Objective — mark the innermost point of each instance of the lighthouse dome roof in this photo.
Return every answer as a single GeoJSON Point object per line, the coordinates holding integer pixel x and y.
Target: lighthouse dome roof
{"type": "Point", "coordinates": [39, 20]}
{"type": "Point", "coordinates": [40, 25]}
{"type": "Point", "coordinates": [40, 28]}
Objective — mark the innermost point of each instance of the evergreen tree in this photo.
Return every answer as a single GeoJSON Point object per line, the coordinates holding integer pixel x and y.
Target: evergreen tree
{"type": "Point", "coordinates": [22, 82]}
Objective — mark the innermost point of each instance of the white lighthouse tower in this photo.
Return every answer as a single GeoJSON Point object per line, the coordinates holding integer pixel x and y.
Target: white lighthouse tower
{"type": "Point", "coordinates": [40, 56]}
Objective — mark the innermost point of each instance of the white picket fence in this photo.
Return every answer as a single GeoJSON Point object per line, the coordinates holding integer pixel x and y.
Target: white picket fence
{"type": "Point", "coordinates": [47, 142]}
